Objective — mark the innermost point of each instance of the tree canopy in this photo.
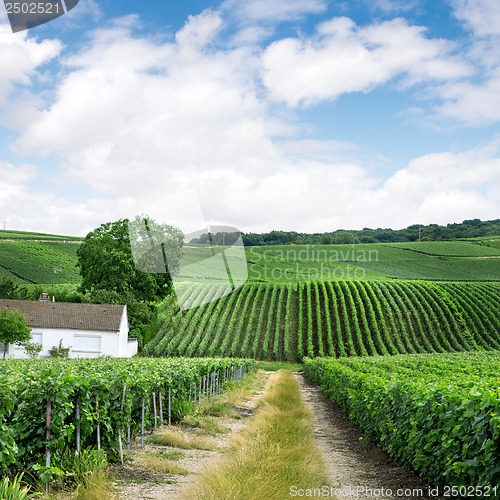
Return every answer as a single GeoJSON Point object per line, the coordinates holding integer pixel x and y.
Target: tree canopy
{"type": "Point", "coordinates": [432, 232]}
{"type": "Point", "coordinates": [106, 261]}
{"type": "Point", "coordinates": [13, 328]}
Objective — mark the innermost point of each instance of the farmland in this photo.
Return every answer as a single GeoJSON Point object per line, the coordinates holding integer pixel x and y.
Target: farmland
{"type": "Point", "coordinates": [332, 318]}
{"type": "Point", "coordinates": [92, 394]}
{"type": "Point", "coordinates": [404, 336]}
{"type": "Point", "coordinates": [31, 258]}
{"type": "Point", "coordinates": [420, 261]}
{"type": "Point", "coordinates": [30, 261]}
{"type": "Point", "coordinates": [437, 413]}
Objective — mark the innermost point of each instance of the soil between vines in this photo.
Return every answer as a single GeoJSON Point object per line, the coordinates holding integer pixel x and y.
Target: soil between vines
{"type": "Point", "coordinates": [354, 461]}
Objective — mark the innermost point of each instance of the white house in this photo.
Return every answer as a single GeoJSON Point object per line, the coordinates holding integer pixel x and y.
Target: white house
{"type": "Point", "coordinates": [90, 330]}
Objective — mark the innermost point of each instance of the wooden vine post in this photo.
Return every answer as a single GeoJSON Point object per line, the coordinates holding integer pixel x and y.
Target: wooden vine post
{"type": "Point", "coordinates": [47, 437]}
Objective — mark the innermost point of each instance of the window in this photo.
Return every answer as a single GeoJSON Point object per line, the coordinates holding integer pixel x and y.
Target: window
{"type": "Point", "coordinates": [86, 343]}
{"type": "Point", "coordinates": [36, 337]}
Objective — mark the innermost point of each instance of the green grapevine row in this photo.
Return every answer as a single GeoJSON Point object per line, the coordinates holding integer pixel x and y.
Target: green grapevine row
{"type": "Point", "coordinates": [335, 318]}
{"type": "Point", "coordinates": [108, 394]}
{"type": "Point", "coordinates": [436, 413]}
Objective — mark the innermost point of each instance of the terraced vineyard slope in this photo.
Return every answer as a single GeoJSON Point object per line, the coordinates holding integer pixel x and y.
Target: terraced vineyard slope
{"type": "Point", "coordinates": [333, 318]}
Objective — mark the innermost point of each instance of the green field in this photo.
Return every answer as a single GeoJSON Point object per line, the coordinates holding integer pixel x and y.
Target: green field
{"type": "Point", "coordinates": [31, 258]}
{"type": "Point", "coordinates": [25, 235]}
{"type": "Point", "coordinates": [331, 318]}
{"type": "Point", "coordinates": [411, 332]}
{"type": "Point", "coordinates": [34, 261]}
{"type": "Point", "coordinates": [437, 414]}
{"type": "Point", "coordinates": [454, 261]}
{"type": "Point", "coordinates": [449, 248]}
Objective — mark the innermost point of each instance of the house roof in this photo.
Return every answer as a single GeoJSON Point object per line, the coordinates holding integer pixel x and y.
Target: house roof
{"type": "Point", "coordinates": [73, 316]}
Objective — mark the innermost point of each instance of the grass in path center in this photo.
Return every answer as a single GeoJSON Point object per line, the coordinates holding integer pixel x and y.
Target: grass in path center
{"type": "Point", "coordinates": [275, 452]}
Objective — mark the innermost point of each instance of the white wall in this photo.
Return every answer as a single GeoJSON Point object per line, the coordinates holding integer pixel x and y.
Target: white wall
{"type": "Point", "coordinates": [83, 343]}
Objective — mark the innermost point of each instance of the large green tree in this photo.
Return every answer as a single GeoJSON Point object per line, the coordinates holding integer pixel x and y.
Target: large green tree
{"type": "Point", "coordinates": [106, 261]}
{"type": "Point", "coordinates": [13, 328]}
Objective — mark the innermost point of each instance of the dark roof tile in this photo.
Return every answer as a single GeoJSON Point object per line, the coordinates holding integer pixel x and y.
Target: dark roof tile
{"type": "Point", "coordinates": [104, 317]}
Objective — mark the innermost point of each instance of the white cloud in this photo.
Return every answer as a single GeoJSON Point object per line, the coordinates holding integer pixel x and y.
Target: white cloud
{"type": "Point", "coordinates": [141, 122]}
{"type": "Point", "coordinates": [20, 57]}
{"type": "Point", "coordinates": [472, 103]}
{"type": "Point", "coordinates": [136, 118]}
{"type": "Point", "coordinates": [475, 101]}
{"type": "Point", "coordinates": [199, 30]}
{"type": "Point", "coordinates": [342, 58]}
{"type": "Point", "coordinates": [447, 186]}
{"type": "Point", "coordinates": [17, 174]}
{"type": "Point", "coordinates": [482, 16]}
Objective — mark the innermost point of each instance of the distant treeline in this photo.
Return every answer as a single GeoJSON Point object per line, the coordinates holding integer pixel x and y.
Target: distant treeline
{"type": "Point", "coordinates": [433, 232]}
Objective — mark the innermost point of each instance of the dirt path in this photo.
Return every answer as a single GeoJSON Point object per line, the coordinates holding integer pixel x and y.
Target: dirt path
{"type": "Point", "coordinates": [133, 481]}
{"type": "Point", "coordinates": [358, 469]}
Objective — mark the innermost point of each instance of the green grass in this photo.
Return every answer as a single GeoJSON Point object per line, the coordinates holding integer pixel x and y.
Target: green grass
{"type": "Point", "coordinates": [449, 248]}
{"type": "Point", "coordinates": [152, 461]}
{"type": "Point", "coordinates": [274, 366]}
{"type": "Point", "coordinates": [26, 235]}
{"type": "Point", "coordinates": [276, 451]}
{"type": "Point", "coordinates": [178, 439]}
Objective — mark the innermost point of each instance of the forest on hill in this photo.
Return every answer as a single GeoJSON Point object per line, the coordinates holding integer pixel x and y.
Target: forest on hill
{"type": "Point", "coordinates": [474, 228]}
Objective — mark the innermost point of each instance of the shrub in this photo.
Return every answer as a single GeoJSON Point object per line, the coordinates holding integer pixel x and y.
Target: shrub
{"type": "Point", "coordinates": [33, 349]}
{"type": "Point", "coordinates": [60, 351]}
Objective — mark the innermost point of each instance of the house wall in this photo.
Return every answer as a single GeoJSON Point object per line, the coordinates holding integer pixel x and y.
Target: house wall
{"type": "Point", "coordinates": [83, 343]}
{"type": "Point", "coordinates": [132, 347]}
{"type": "Point", "coordinates": [122, 351]}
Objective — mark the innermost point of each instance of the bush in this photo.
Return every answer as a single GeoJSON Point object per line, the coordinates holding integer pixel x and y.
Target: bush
{"type": "Point", "coordinates": [33, 349]}
{"type": "Point", "coordinates": [60, 351]}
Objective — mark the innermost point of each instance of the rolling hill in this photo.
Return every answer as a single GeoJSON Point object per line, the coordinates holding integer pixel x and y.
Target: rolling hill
{"type": "Point", "coordinates": [332, 318]}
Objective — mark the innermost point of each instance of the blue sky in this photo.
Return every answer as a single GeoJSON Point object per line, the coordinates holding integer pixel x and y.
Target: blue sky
{"type": "Point", "coordinates": [307, 115]}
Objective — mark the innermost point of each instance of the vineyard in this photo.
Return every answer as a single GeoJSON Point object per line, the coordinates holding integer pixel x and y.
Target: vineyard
{"type": "Point", "coordinates": [331, 318]}
{"type": "Point", "coordinates": [434, 260]}
{"type": "Point", "coordinates": [34, 261]}
{"type": "Point", "coordinates": [50, 406]}
{"type": "Point", "coordinates": [31, 258]}
{"type": "Point", "coordinates": [438, 414]}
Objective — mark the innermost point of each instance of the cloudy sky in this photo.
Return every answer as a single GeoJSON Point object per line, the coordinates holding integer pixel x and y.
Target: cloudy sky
{"type": "Point", "coordinates": [308, 115]}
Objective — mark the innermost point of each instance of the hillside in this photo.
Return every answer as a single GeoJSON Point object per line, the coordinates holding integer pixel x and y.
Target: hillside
{"type": "Point", "coordinates": [454, 261]}
{"type": "Point", "coordinates": [337, 318]}
{"type": "Point", "coordinates": [34, 261]}
{"type": "Point", "coordinates": [26, 235]}
{"type": "Point", "coordinates": [31, 258]}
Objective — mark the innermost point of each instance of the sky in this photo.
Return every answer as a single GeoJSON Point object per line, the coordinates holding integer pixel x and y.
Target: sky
{"type": "Point", "coordinates": [305, 115]}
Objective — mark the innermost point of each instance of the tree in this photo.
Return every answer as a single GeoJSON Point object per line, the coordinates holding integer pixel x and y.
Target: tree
{"type": "Point", "coordinates": [13, 328]}
{"type": "Point", "coordinates": [106, 261]}
{"type": "Point", "coordinates": [8, 288]}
